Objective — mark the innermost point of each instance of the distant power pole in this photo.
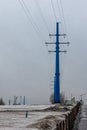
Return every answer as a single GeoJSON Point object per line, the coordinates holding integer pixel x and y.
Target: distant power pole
{"type": "Point", "coordinates": [24, 101]}
{"type": "Point", "coordinates": [57, 67]}
{"type": "Point", "coordinates": [15, 100]}
{"type": "Point", "coordinates": [20, 100]}
{"type": "Point", "coordinates": [9, 102]}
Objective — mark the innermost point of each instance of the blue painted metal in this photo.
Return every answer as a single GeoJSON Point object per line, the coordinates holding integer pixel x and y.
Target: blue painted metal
{"type": "Point", "coordinates": [57, 73]}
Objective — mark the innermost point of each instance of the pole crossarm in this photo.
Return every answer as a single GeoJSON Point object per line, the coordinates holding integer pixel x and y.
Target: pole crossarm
{"type": "Point", "coordinates": [51, 51]}
{"type": "Point", "coordinates": [63, 51]}
{"type": "Point", "coordinates": [50, 43]}
{"type": "Point", "coordinates": [64, 43]}
{"type": "Point", "coordinates": [52, 35]}
{"type": "Point", "coordinates": [57, 51]}
{"type": "Point", "coordinates": [57, 35]}
{"type": "Point", "coordinates": [47, 43]}
{"type": "Point", "coordinates": [64, 35]}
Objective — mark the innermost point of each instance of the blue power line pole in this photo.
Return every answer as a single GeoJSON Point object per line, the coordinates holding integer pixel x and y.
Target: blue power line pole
{"type": "Point", "coordinates": [57, 73]}
{"type": "Point", "coordinates": [57, 67]}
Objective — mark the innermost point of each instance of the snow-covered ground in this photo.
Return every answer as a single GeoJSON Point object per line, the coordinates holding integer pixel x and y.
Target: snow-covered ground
{"type": "Point", "coordinates": [14, 117]}
{"type": "Point", "coordinates": [23, 107]}
{"type": "Point", "coordinates": [14, 121]}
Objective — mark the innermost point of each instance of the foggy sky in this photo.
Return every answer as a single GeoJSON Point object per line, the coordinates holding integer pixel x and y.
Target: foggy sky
{"type": "Point", "coordinates": [26, 68]}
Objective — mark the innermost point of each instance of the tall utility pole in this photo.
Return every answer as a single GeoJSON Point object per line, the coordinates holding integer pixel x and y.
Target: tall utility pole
{"type": "Point", "coordinates": [57, 71]}
{"type": "Point", "coordinates": [57, 67]}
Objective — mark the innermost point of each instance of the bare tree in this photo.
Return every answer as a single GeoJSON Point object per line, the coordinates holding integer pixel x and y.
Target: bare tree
{"type": "Point", "coordinates": [52, 98]}
{"type": "Point", "coordinates": [62, 98]}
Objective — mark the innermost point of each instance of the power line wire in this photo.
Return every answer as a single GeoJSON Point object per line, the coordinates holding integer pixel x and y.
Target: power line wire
{"type": "Point", "coordinates": [31, 20]}
{"type": "Point", "coordinates": [41, 13]}
{"type": "Point", "coordinates": [63, 16]}
{"type": "Point", "coordinates": [59, 10]}
{"type": "Point", "coordinates": [53, 10]}
{"type": "Point", "coordinates": [26, 12]}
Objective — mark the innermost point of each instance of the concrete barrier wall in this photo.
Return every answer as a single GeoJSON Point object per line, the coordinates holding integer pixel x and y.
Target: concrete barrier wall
{"type": "Point", "coordinates": [68, 123]}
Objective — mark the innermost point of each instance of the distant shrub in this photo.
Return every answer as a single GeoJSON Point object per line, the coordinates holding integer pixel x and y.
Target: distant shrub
{"type": "Point", "coordinates": [62, 98]}
{"type": "Point", "coordinates": [52, 98]}
{"type": "Point", "coordinates": [2, 102]}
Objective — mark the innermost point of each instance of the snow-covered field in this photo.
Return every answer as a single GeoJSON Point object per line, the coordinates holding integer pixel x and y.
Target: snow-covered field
{"type": "Point", "coordinates": [14, 117]}
{"type": "Point", "coordinates": [14, 120]}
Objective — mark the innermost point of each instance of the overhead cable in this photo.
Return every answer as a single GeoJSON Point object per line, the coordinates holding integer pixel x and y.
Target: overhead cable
{"type": "Point", "coordinates": [59, 10]}
{"type": "Point", "coordinates": [53, 10]}
{"type": "Point", "coordinates": [41, 13]}
{"type": "Point", "coordinates": [63, 16]}
{"type": "Point", "coordinates": [30, 18]}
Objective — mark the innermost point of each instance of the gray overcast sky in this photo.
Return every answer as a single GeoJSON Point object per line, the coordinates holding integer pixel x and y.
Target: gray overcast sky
{"type": "Point", "coordinates": [26, 68]}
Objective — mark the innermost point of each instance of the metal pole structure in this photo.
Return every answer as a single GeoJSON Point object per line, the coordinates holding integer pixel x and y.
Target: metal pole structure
{"type": "Point", "coordinates": [24, 101]}
{"type": "Point", "coordinates": [57, 73]}
{"type": "Point", "coordinates": [57, 67]}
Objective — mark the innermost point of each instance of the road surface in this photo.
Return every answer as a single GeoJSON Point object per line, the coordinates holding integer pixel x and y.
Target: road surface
{"type": "Point", "coordinates": [83, 118]}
